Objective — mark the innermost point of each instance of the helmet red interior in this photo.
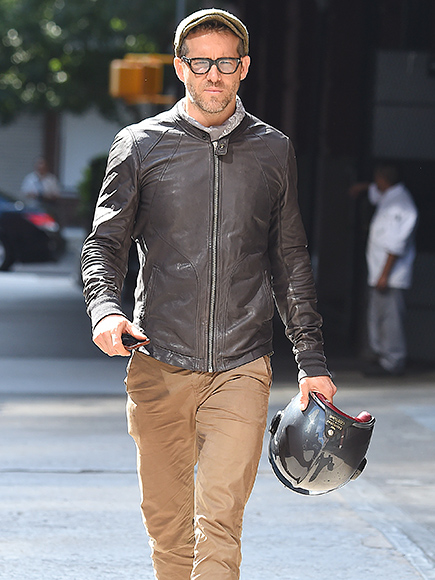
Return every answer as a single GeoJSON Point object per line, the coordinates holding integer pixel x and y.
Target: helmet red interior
{"type": "Point", "coordinates": [363, 417]}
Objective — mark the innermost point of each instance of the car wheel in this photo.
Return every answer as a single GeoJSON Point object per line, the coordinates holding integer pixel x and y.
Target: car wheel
{"type": "Point", "coordinates": [6, 258]}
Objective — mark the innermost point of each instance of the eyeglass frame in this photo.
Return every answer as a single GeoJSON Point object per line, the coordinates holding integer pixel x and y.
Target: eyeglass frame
{"type": "Point", "coordinates": [212, 62]}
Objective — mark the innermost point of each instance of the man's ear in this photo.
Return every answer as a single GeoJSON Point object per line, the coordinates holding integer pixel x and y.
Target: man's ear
{"type": "Point", "coordinates": [246, 61]}
{"type": "Point", "coordinates": [179, 70]}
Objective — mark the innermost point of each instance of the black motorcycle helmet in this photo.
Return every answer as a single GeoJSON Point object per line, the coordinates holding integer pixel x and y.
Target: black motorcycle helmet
{"type": "Point", "coordinates": [320, 449]}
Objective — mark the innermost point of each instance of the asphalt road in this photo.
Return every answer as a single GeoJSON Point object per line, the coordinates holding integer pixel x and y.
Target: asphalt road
{"type": "Point", "coordinates": [68, 489]}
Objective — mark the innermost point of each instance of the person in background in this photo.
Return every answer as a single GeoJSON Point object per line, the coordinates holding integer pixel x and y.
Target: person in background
{"type": "Point", "coordinates": [40, 184]}
{"type": "Point", "coordinates": [390, 255]}
{"type": "Point", "coordinates": [208, 193]}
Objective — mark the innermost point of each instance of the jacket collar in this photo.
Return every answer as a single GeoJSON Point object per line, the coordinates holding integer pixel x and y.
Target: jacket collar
{"type": "Point", "coordinates": [215, 132]}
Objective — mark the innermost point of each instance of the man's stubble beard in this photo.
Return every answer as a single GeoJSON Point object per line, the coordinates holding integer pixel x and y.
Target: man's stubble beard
{"type": "Point", "coordinates": [213, 105]}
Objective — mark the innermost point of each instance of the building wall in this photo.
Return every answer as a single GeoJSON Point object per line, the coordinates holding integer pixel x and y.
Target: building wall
{"type": "Point", "coordinates": [21, 143]}
{"type": "Point", "coordinates": [82, 138]}
{"type": "Point", "coordinates": [404, 106]}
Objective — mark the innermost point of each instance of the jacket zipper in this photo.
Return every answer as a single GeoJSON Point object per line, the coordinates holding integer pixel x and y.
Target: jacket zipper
{"type": "Point", "coordinates": [214, 244]}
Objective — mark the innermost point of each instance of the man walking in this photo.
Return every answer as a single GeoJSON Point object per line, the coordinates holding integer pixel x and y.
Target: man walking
{"type": "Point", "coordinates": [208, 193]}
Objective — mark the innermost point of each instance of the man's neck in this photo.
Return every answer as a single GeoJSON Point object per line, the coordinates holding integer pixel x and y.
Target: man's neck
{"type": "Point", "coordinates": [217, 131]}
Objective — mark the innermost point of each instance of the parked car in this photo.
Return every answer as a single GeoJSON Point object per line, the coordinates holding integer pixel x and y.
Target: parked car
{"type": "Point", "coordinates": [27, 234]}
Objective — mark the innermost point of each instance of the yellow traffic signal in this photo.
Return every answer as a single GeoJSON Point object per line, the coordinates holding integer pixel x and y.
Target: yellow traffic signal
{"type": "Point", "coordinates": [138, 78]}
{"type": "Point", "coordinates": [126, 78]}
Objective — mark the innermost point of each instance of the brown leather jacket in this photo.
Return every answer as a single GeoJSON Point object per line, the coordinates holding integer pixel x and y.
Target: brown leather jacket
{"type": "Point", "coordinates": [219, 236]}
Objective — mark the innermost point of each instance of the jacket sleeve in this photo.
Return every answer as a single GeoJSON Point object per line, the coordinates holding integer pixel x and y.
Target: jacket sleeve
{"type": "Point", "coordinates": [105, 251]}
{"type": "Point", "coordinates": [292, 278]}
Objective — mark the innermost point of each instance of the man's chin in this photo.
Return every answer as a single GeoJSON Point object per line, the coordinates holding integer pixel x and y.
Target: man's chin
{"type": "Point", "coordinates": [213, 106]}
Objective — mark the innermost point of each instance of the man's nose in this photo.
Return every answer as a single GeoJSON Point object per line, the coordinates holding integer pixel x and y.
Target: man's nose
{"type": "Point", "coordinates": [214, 74]}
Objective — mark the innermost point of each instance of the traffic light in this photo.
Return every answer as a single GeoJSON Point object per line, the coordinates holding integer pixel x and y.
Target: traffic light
{"type": "Point", "coordinates": [138, 78]}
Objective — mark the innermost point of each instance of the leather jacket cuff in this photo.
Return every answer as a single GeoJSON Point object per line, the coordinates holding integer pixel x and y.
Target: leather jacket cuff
{"type": "Point", "coordinates": [312, 364]}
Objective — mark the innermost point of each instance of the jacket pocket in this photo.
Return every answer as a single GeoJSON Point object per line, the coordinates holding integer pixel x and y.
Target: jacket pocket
{"type": "Point", "coordinates": [147, 297]}
{"type": "Point", "coordinates": [249, 311]}
{"type": "Point", "coordinates": [169, 311]}
{"type": "Point", "coordinates": [267, 289]}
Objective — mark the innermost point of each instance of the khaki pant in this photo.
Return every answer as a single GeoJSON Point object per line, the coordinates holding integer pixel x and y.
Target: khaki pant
{"type": "Point", "coordinates": [179, 418]}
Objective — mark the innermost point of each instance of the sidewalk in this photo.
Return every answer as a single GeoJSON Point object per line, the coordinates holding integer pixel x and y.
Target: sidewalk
{"type": "Point", "coordinates": [69, 500]}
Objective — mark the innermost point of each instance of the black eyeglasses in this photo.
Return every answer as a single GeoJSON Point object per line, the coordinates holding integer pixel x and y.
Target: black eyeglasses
{"type": "Point", "coordinates": [201, 66]}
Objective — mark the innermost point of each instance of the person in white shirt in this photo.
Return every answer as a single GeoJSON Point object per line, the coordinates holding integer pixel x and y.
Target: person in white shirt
{"type": "Point", "coordinates": [40, 184]}
{"type": "Point", "coordinates": [390, 255]}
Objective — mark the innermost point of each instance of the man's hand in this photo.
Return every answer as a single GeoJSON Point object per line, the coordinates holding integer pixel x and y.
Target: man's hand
{"type": "Point", "coordinates": [107, 334]}
{"type": "Point", "coordinates": [322, 385]}
{"type": "Point", "coordinates": [382, 283]}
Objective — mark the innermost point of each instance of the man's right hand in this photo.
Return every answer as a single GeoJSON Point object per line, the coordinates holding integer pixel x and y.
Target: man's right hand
{"type": "Point", "coordinates": [107, 334]}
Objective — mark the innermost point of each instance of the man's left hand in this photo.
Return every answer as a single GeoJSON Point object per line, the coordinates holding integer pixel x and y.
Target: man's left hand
{"type": "Point", "coordinates": [321, 384]}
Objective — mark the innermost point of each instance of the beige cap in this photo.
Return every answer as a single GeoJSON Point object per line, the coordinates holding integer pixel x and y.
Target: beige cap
{"type": "Point", "coordinates": [233, 23]}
